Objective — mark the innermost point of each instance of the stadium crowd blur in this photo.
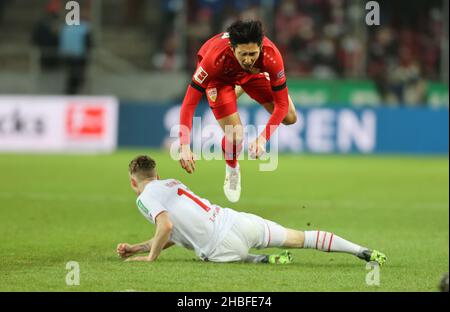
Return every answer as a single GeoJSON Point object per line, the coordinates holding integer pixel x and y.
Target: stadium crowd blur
{"type": "Point", "coordinates": [319, 39]}
{"type": "Point", "coordinates": [322, 39]}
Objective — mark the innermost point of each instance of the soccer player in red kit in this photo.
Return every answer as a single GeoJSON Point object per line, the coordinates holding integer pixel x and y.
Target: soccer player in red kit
{"type": "Point", "coordinates": [241, 59]}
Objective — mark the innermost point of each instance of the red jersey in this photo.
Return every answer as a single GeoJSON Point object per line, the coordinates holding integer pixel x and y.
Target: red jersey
{"type": "Point", "coordinates": [217, 63]}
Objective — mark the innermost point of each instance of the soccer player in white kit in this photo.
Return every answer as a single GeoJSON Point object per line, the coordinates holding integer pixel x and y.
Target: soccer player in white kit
{"type": "Point", "coordinates": [214, 233]}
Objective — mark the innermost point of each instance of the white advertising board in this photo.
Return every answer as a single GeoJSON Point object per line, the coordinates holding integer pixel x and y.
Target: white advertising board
{"type": "Point", "coordinates": [58, 124]}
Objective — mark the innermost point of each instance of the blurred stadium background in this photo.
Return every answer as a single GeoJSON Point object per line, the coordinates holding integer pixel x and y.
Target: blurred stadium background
{"type": "Point", "coordinates": [116, 82]}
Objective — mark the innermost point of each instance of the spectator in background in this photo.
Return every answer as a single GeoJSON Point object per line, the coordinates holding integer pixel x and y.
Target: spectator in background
{"type": "Point", "coordinates": [430, 44]}
{"type": "Point", "coordinates": [309, 33]}
{"type": "Point", "coordinates": [45, 35]}
{"type": "Point", "coordinates": [168, 60]}
{"type": "Point", "coordinates": [169, 10]}
{"type": "Point", "coordinates": [216, 9]}
{"type": "Point", "coordinates": [75, 45]}
{"type": "Point", "coordinates": [199, 30]}
{"type": "Point", "coordinates": [395, 68]}
{"type": "Point", "coordinates": [406, 84]}
{"type": "Point", "coordinates": [253, 12]}
{"type": "Point", "coordinates": [382, 54]}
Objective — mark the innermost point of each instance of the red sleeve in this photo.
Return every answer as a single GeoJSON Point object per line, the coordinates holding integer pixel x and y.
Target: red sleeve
{"type": "Point", "coordinates": [275, 69]}
{"type": "Point", "coordinates": [193, 96]}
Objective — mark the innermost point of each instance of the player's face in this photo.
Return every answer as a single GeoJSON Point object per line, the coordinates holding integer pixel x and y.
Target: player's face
{"type": "Point", "coordinates": [247, 54]}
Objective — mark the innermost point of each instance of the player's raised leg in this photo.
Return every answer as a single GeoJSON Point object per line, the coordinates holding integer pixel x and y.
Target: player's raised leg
{"type": "Point", "coordinates": [231, 148]}
{"type": "Point", "coordinates": [329, 242]}
{"type": "Point", "coordinates": [223, 102]}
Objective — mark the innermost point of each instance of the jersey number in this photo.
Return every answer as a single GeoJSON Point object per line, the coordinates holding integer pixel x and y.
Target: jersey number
{"type": "Point", "coordinates": [182, 192]}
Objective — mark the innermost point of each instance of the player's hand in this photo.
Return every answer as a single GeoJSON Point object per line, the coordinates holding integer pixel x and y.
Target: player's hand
{"type": "Point", "coordinates": [257, 148]}
{"type": "Point", "coordinates": [125, 250]}
{"type": "Point", "coordinates": [187, 160]}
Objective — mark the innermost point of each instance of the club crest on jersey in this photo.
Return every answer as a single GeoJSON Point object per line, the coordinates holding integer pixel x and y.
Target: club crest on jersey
{"type": "Point", "coordinates": [200, 75]}
{"type": "Point", "coordinates": [212, 94]}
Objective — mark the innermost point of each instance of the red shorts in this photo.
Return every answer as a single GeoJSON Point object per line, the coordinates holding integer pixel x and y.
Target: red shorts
{"type": "Point", "coordinates": [222, 97]}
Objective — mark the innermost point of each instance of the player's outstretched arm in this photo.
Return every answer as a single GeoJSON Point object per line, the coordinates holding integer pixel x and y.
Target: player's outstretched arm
{"type": "Point", "coordinates": [125, 250]}
{"type": "Point", "coordinates": [161, 239]}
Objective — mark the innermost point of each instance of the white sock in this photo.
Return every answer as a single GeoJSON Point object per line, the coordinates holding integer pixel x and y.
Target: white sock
{"type": "Point", "coordinates": [231, 169]}
{"type": "Point", "coordinates": [326, 241]}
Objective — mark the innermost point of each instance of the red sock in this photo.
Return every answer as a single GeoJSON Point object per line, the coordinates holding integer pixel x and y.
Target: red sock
{"type": "Point", "coordinates": [231, 152]}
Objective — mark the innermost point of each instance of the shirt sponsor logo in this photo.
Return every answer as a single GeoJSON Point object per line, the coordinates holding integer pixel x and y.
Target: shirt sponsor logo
{"type": "Point", "coordinates": [212, 94]}
{"type": "Point", "coordinates": [200, 75]}
{"type": "Point", "coordinates": [142, 207]}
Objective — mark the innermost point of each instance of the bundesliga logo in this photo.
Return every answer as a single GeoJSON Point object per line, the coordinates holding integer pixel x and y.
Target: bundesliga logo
{"type": "Point", "coordinates": [200, 75]}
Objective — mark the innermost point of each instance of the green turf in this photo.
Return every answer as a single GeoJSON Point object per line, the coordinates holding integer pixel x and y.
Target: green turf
{"type": "Point", "coordinates": [54, 209]}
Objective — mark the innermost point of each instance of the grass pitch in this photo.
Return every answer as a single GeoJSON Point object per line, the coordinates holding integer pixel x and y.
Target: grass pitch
{"type": "Point", "coordinates": [56, 208]}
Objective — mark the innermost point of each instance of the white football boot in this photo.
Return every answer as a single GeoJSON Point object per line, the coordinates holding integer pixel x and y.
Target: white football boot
{"type": "Point", "coordinates": [232, 185]}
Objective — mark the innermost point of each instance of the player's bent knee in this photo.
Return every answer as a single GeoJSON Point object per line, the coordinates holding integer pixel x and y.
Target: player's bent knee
{"type": "Point", "coordinates": [290, 119]}
{"type": "Point", "coordinates": [294, 239]}
{"type": "Point", "coordinates": [236, 137]}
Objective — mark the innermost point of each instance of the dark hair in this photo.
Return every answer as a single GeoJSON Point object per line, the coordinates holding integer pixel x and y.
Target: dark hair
{"type": "Point", "coordinates": [245, 32]}
{"type": "Point", "coordinates": [143, 166]}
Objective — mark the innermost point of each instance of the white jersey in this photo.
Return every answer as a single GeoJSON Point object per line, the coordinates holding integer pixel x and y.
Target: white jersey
{"type": "Point", "coordinates": [197, 224]}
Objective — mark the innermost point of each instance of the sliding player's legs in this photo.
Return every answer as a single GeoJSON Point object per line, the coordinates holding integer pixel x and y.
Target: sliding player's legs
{"type": "Point", "coordinates": [329, 242]}
{"type": "Point", "coordinates": [222, 100]}
{"type": "Point", "coordinates": [262, 233]}
{"type": "Point", "coordinates": [260, 90]}
{"type": "Point", "coordinates": [232, 249]}
{"type": "Point", "coordinates": [250, 231]}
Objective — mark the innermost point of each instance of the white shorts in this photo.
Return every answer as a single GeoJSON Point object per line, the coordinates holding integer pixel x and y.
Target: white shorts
{"type": "Point", "coordinates": [248, 231]}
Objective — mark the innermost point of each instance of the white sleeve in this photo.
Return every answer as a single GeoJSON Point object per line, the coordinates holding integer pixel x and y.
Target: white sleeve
{"type": "Point", "coordinates": [150, 207]}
